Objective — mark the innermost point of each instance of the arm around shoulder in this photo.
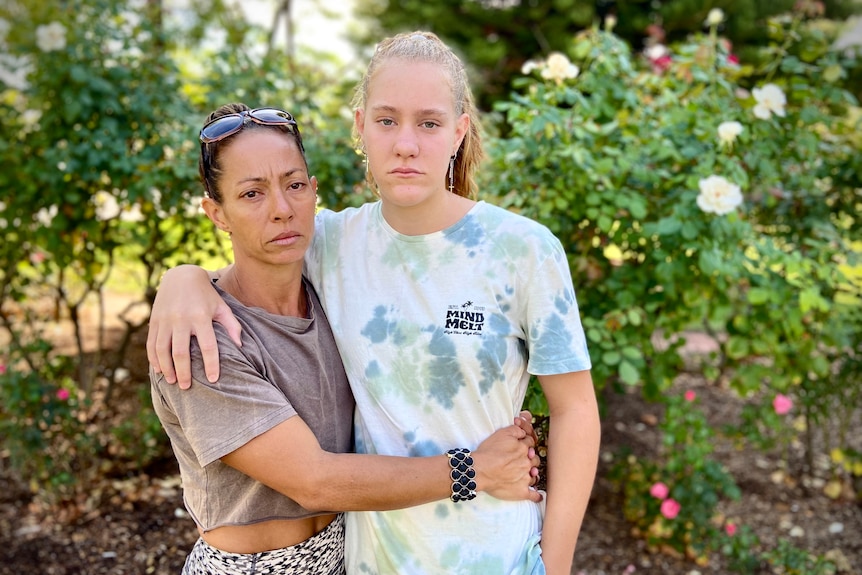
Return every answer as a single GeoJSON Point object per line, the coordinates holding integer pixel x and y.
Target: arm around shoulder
{"type": "Point", "coordinates": [186, 305]}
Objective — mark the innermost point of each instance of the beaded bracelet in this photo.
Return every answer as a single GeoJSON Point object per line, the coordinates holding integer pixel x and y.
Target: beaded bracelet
{"type": "Point", "coordinates": [463, 475]}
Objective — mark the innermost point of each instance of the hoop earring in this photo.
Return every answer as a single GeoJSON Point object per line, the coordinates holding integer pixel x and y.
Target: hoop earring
{"type": "Point", "coordinates": [452, 172]}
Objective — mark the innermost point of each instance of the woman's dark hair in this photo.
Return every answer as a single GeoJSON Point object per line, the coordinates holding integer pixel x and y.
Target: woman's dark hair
{"type": "Point", "coordinates": [209, 164]}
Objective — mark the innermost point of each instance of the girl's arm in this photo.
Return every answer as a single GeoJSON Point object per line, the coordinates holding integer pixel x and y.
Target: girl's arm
{"type": "Point", "coordinates": [186, 304]}
{"type": "Point", "coordinates": [573, 449]}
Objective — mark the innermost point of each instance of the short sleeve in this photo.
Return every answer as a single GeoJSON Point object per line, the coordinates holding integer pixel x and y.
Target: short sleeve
{"type": "Point", "coordinates": [555, 335]}
{"type": "Point", "coordinates": [218, 418]}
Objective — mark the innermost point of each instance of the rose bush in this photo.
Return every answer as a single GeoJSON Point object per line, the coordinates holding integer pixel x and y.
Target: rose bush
{"type": "Point", "coordinates": [100, 105]}
{"type": "Point", "coordinates": [693, 192]}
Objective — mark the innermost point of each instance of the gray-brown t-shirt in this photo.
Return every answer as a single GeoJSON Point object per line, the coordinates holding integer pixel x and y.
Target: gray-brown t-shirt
{"type": "Point", "coordinates": [286, 366]}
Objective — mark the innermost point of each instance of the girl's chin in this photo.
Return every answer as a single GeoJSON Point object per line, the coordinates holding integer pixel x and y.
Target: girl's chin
{"type": "Point", "coordinates": [406, 196]}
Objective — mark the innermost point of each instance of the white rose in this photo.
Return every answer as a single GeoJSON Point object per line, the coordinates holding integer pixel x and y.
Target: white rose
{"type": "Point", "coordinates": [528, 67]}
{"type": "Point", "coordinates": [715, 17]}
{"type": "Point", "coordinates": [51, 37]}
{"type": "Point", "coordinates": [770, 100]}
{"type": "Point", "coordinates": [728, 131]}
{"type": "Point", "coordinates": [559, 68]}
{"type": "Point", "coordinates": [107, 207]}
{"type": "Point", "coordinates": [14, 71]}
{"type": "Point", "coordinates": [31, 117]}
{"type": "Point", "coordinates": [132, 214]}
{"type": "Point", "coordinates": [46, 215]}
{"type": "Point", "coordinates": [655, 51]}
{"type": "Point", "coordinates": [718, 196]}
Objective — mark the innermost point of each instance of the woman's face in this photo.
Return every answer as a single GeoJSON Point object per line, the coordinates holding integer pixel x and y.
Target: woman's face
{"type": "Point", "coordinates": [268, 199]}
{"type": "Point", "coordinates": [410, 130]}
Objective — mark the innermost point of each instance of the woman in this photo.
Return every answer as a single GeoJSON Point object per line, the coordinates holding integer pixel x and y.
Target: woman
{"type": "Point", "coordinates": [263, 454]}
{"type": "Point", "coordinates": [441, 307]}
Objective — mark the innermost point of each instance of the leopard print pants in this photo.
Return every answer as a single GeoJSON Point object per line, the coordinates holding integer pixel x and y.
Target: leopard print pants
{"type": "Point", "coordinates": [322, 554]}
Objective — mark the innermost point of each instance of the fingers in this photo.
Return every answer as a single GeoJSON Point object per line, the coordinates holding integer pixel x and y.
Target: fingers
{"type": "Point", "coordinates": [179, 359]}
{"type": "Point", "coordinates": [535, 495]}
{"type": "Point", "coordinates": [209, 351]}
{"type": "Point", "coordinates": [534, 458]}
{"type": "Point", "coordinates": [164, 362]}
{"type": "Point", "coordinates": [224, 316]}
{"type": "Point", "coordinates": [525, 421]}
{"type": "Point", "coordinates": [152, 356]}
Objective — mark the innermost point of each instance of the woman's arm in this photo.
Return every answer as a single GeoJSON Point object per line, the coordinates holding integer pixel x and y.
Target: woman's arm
{"type": "Point", "coordinates": [186, 305]}
{"type": "Point", "coordinates": [573, 449]}
{"type": "Point", "coordinates": [289, 459]}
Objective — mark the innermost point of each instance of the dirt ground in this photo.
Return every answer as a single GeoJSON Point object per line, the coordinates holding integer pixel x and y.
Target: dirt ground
{"type": "Point", "coordinates": [134, 524]}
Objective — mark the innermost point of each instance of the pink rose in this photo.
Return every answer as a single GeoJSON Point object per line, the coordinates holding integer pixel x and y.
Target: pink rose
{"type": "Point", "coordinates": [661, 64]}
{"type": "Point", "coordinates": [2, 368]}
{"type": "Point", "coordinates": [62, 394]}
{"type": "Point", "coordinates": [670, 508]}
{"type": "Point", "coordinates": [730, 529]}
{"type": "Point", "coordinates": [690, 395]}
{"type": "Point", "coordinates": [659, 490]}
{"type": "Point", "coordinates": [782, 404]}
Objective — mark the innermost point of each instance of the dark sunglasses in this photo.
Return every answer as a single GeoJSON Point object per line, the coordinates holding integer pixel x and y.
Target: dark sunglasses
{"type": "Point", "coordinates": [228, 125]}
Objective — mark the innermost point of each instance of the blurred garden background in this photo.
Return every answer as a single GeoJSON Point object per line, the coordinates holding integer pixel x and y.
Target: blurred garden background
{"type": "Point", "coordinates": [700, 160]}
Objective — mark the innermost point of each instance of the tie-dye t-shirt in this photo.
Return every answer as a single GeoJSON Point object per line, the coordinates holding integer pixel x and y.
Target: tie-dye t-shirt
{"type": "Point", "coordinates": [438, 334]}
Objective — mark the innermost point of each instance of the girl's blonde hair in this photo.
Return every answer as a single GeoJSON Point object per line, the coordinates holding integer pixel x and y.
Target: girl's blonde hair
{"type": "Point", "coordinates": [422, 46]}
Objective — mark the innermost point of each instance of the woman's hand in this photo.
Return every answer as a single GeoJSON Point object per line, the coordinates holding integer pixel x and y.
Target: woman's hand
{"type": "Point", "coordinates": [506, 464]}
{"type": "Point", "coordinates": [185, 306]}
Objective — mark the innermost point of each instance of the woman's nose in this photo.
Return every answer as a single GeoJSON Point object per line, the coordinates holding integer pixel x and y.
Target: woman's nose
{"type": "Point", "coordinates": [281, 206]}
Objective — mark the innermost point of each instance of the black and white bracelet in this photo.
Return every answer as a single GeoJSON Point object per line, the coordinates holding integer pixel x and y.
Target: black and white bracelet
{"type": "Point", "coordinates": [463, 475]}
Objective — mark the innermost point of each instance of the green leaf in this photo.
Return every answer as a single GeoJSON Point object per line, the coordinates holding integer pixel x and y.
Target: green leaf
{"type": "Point", "coordinates": [632, 353]}
{"type": "Point", "coordinates": [737, 347]}
{"type": "Point", "coordinates": [759, 296]}
{"type": "Point", "coordinates": [668, 226]}
{"type": "Point", "coordinates": [810, 298]}
{"type": "Point", "coordinates": [628, 373]}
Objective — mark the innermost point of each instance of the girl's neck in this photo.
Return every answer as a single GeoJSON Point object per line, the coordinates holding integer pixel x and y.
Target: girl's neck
{"type": "Point", "coordinates": [427, 218]}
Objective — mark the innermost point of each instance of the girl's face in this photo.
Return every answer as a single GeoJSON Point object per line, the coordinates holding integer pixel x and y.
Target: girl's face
{"type": "Point", "coordinates": [268, 199]}
{"type": "Point", "coordinates": [410, 130]}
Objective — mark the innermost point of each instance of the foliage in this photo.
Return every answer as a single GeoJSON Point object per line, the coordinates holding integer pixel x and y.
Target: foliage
{"type": "Point", "coordinates": [687, 202]}
{"type": "Point", "coordinates": [100, 103]}
{"type": "Point", "coordinates": [794, 561]}
{"type": "Point", "coordinates": [497, 36]}
{"type": "Point", "coordinates": [612, 162]}
{"type": "Point", "coordinates": [43, 437]}
{"type": "Point", "coordinates": [672, 503]}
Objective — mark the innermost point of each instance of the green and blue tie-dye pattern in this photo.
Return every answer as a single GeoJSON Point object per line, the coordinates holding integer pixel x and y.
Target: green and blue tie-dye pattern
{"type": "Point", "coordinates": [437, 334]}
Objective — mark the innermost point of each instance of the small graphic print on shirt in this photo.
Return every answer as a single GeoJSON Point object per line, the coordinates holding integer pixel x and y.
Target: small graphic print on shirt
{"type": "Point", "coordinates": [464, 319]}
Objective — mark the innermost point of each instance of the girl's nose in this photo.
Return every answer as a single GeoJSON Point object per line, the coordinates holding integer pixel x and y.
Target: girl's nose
{"type": "Point", "coordinates": [406, 145]}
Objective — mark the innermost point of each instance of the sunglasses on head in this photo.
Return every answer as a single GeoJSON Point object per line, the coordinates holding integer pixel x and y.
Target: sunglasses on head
{"type": "Point", "coordinates": [228, 125]}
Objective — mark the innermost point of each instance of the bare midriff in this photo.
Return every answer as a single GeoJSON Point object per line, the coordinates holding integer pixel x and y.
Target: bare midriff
{"type": "Point", "coordinates": [266, 536]}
